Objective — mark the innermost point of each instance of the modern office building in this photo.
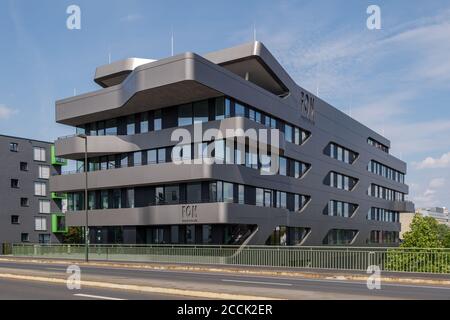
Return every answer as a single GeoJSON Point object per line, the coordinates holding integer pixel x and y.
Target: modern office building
{"type": "Point", "coordinates": [28, 209]}
{"type": "Point", "coordinates": [336, 183]}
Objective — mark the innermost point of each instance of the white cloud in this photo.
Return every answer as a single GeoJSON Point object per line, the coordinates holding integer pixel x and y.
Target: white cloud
{"type": "Point", "coordinates": [437, 183]}
{"type": "Point", "coordinates": [433, 163]}
{"type": "Point", "coordinates": [6, 113]}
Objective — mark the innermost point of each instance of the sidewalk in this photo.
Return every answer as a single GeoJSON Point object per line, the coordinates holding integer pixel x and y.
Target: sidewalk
{"type": "Point", "coordinates": [391, 277]}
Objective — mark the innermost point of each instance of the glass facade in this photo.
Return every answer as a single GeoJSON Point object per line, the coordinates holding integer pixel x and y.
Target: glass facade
{"type": "Point", "coordinates": [340, 153]}
{"type": "Point", "coordinates": [340, 181]}
{"type": "Point", "coordinates": [384, 215]}
{"type": "Point", "coordinates": [340, 237]}
{"type": "Point", "coordinates": [385, 193]}
{"type": "Point", "coordinates": [187, 193]}
{"type": "Point", "coordinates": [340, 209]}
{"type": "Point", "coordinates": [385, 171]}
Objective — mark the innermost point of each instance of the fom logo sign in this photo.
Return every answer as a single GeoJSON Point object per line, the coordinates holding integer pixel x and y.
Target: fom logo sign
{"type": "Point", "coordinates": [307, 107]}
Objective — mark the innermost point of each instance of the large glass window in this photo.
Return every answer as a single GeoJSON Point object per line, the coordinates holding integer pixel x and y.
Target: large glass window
{"type": "Point", "coordinates": [194, 193]}
{"type": "Point", "coordinates": [157, 121]}
{"type": "Point", "coordinates": [239, 110]}
{"type": "Point", "coordinates": [288, 133]}
{"type": "Point", "coordinates": [162, 155]}
{"type": "Point", "coordinates": [185, 115]}
{"type": "Point", "coordinates": [111, 127]}
{"type": "Point", "coordinates": [172, 194]}
{"type": "Point", "coordinates": [228, 192]}
{"type": "Point", "coordinates": [201, 112]}
{"type": "Point", "coordinates": [144, 122]}
{"type": "Point", "coordinates": [241, 194]}
{"type": "Point", "coordinates": [137, 159]}
{"type": "Point", "coordinates": [131, 125]}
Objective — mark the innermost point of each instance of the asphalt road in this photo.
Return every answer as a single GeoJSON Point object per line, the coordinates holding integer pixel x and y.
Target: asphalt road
{"type": "Point", "coordinates": [29, 290]}
{"type": "Point", "coordinates": [277, 287]}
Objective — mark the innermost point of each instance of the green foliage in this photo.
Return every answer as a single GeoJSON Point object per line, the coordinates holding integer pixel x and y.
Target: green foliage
{"type": "Point", "coordinates": [73, 236]}
{"type": "Point", "coordinates": [424, 233]}
{"type": "Point", "coordinates": [422, 249]}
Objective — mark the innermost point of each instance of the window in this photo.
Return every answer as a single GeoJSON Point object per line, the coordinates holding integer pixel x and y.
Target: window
{"type": "Point", "coordinates": [24, 202]}
{"type": "Point", "coordinates": [228, 192]}
{"type": "Point", "coordinates": [161, 155]}
{"type": "Point", "coordinates": [130, 198]}
{"type": "Point", "coordinates": [281, 200]}
{"type": "Point", "coordinates": [340, 209]}
{"type": "Point", "coordinates": [172, 194]}
{"type": "Point", "coordinates": [25, 237]}
{"type": "Point", "coordinates": [131, 125]}
{"type": "Point", "coordinates": [13, 147]}
{"type": "Point", "coordinates": [259, 197]}
{"type": "Point", "coordinates": [144, 123]}
{"type": "Point", "coordinates": [342, 182]}
{"type": "Point", "coordinates": [40, 224]}
{"type": "Point", "coordinates": [15, 220]}
{"type": "Point", "coordinates": [44, 172]}
{"type": "Point", "coordinates": [342, 154]}
{"type": "Point", "coordinates": [44, 238]}
{"type": "Point", "coordinates": [222, 109]}
{"type": "Point", "coordinates": [201, 112]}
{"type": "Point", "coordinates": [267, 198]}
{"type": "Point", "coordinates": [40, 189]}
{"type": "Point", "coordinates": [339, 237]}
{"type": "Point", "coordinates": [111, 127]}
{"type": "Point", "coordinates": [39, 154]}
{"type": "Point", "coordinates": [157, 121]}
{"type": "Point", "coordinates": [288, 133]}
{"type": "Point", "coordinates": [14, 183]}
{"type": "Point", "coordinates": [185, 115]}
{"type": "Point", "coordinates": [194, 193]}
{"type": "Point", "coordinates": [283, 166]}
{"type": "Point", "coordinates": [44, 206]}
{"type": "Point", "coordinates": [152, 157]}
{"type": "Point", "coordinates": [239, 110]}
{"type": "Point", "coordinates": [137, 159]}
{"type": "Point", "coordinates": [23, 166]}
{"type": "Point", "coordinates": [241, 194]}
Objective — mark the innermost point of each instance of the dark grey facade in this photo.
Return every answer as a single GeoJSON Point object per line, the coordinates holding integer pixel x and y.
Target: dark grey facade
{"type": "Point", "coordinates": [337, 183]}
{"type": "Point", "coordinates": [26, 202]}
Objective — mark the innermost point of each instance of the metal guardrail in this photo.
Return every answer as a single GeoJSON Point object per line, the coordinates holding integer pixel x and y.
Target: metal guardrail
{"type": "Point", "coordinates": [332, 258]}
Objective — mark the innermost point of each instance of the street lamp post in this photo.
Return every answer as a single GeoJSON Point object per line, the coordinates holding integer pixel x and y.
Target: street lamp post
{"type": "Point", "coordinates": [86, 226]}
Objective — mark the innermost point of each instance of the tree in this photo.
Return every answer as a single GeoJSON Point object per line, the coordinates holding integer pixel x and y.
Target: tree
{"type": "Point", "coordinates": [424, 233]}
{"type": "Point", "coordinates": [73, 236]}
{"type": "Point", "coordinates": [422, 249]}
{"type": "Point", "coordinates": [444, 235]}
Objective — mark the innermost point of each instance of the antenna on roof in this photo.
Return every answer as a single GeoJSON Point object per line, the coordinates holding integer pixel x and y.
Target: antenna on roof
{"type": "Point", "coordinates": [109, 54]}
{"type": "Point", "coordinates": [317, 87]}
{"type": "Point", "coordinates": [172, 42]}
{"type": "Point", "coordinates": [74, 92]}
{"type": "Point", "coordinates": [254, 32]}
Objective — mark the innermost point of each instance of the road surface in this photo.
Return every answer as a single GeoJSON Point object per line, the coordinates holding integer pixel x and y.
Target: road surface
{"type": "Point", "coordinates": [233, 283]}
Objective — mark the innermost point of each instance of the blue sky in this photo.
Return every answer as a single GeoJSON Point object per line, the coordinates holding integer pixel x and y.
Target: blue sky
{"type": "Point", "coordinates": [395, 80]}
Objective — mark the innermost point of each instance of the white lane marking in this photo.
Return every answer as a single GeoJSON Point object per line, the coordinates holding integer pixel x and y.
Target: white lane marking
{"type": "Point", "coordinates": [96, 297]}
{"type": "Point", "coordinates": [258, 282]}
{"type": "Point", "coordinates": [56, 269]}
